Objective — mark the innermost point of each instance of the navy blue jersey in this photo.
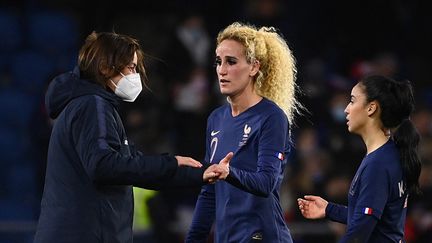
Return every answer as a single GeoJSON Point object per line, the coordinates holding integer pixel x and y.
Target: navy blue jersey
{"type": "Point", "coordinates": [377, 199]}
{"type": "Point", "coordinates": [245, 207]}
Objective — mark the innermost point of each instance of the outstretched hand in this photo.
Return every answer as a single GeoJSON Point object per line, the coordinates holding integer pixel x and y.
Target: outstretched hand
{"type": "Point", "coordinates": [312, 207]}
{"type": "Point", "coordinates": [187, 161]}
{"type": "Point", "coordinates": [218, 171]}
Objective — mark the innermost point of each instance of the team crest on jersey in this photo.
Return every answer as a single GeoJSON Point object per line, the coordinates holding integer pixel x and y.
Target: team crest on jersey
{"type": "Point", "coordinates": [246, 131]}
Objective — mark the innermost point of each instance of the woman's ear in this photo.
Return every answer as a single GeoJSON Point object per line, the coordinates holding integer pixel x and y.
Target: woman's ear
{"type": "Point", "coordinates": [372, 108]}
{"type": "Point", "coordinates": [105, 70]}
{"type": "Point", "coordinates": [255, 68]}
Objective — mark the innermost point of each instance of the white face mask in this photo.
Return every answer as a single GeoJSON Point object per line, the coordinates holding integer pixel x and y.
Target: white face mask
{"type": "Point", "coordinates": [128, 87]}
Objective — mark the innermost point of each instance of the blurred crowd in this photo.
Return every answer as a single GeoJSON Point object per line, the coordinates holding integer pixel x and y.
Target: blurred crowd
{"type": "Point", "coordinates": [335, 44]}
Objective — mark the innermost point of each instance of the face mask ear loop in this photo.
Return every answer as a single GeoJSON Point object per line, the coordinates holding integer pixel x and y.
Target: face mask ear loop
{"type": "Point", "coordinates": [113, 81]}
{"type": "Point", "coordinates": [115, 85]}
{"type": "Point", "coordinates": [117, 89]}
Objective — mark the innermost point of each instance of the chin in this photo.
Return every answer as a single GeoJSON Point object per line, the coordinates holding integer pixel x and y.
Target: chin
{"type": "Point", "coordinates": [353, 131]}
{"type": "Point", "coordinates": [225, 92]}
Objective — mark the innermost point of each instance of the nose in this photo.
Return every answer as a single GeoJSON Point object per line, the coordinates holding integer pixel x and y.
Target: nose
{"type": "Point", "coordinates": [221, 69]}
{"type": "Point", "coordinates": [346, 109]}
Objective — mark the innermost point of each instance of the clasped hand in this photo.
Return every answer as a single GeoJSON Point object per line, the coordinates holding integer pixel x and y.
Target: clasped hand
{"type": "Point", "coordinates": [218, 171]}
{"type": "Point", "coordinates": [214, 172]}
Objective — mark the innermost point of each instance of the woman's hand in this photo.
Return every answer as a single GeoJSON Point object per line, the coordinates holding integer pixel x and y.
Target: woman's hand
{"type": "Point", "coordinates": [223, 166]}
{"type": "Point", "coordinates": [218, 171]}
{"type": "Point", "coordinates": [210, 175]}
{"type": "Point", "coordinates": [312, 207]}
{"type": "Point", "coordinates": [187, 161]}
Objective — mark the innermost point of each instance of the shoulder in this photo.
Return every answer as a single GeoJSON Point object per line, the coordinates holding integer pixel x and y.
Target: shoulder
{"type": "Point", "coordinates": [91, 103]}
{"type": "Point", "coordinates": [268, 107]}
{"type": "Point", "coordinates": [384, 161]}
{"type": "Point", "coordinates": [272, 112]}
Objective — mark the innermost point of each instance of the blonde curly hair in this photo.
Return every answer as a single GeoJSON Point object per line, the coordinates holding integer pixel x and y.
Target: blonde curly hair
{"type": "Point", "coordinates": [277, 75]}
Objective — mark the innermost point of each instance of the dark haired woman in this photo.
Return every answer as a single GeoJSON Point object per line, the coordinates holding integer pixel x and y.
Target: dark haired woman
{"type": "Point", "coordinates": [91, 166]}
{"type": "Point", "coordinates": [379, 111]}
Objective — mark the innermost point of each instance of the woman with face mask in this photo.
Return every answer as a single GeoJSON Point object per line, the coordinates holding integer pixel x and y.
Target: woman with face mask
{"type": "Point", "coordinates": [379, 111]}
{"type": "Point", "coordinates": [91, 166]}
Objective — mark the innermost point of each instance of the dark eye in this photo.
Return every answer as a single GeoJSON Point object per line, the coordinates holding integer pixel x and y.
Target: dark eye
{"type": "Point", "coordinates": [231, 61]}
{"type": "Point", "coordinates": [217, 62]}
{"type": "Point", "coordinates": [132, 68]}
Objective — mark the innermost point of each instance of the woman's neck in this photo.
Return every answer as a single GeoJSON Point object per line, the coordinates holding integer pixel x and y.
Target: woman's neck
{"type": "Point", "coordinates": [374, 138]}
{"type": "Point", "coordinates": [241, 103]}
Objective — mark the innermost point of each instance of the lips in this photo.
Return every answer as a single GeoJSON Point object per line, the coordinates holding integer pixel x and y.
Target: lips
{"type": "Point", "coordinates": [224, 81]}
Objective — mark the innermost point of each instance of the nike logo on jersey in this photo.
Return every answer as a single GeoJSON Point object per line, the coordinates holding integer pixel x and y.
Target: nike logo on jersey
{"type": "Point", "coordinates": [257, 237]}
{"type": "Point", "coordinates": [213, 133]}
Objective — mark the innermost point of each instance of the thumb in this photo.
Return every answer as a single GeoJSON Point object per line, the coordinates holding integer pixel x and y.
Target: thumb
{"type": "Point", "coordinates": [227, 159]}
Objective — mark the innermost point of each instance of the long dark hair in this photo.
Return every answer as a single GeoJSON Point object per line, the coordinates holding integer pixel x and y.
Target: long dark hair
{"type": "Point", "coordinates": [397, 103]}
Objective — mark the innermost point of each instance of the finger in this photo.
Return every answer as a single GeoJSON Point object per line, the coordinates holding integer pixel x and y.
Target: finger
{"type": "Point", "coordinates": [311, 198]}
{"type": "Point", "coordinates": [227, 159]}
{"type": "Point", "coordinates": [219, 170]}
{"type": "Point", "coordinates": [215, 174]}
{"type": "Point", "coordinates": [210, 176]}
{"type": "Point", "coordinates": [301, 201]}
{"type": "Point", "coordinates": [194, 163]}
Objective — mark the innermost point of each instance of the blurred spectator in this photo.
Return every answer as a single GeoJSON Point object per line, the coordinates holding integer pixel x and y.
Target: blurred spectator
{"type": "Point", "coordinates": [187, 57]}
{"type": "Point", "coordinates": [188, 78]}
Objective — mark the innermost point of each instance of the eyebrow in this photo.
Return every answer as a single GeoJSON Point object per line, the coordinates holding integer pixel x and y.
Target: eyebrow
{"type": "Point", "coordinates": [227, 57]}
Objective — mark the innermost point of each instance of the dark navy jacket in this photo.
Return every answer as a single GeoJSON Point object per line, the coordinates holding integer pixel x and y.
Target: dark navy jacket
{"type": "Point", "coordinates": [91, 167]}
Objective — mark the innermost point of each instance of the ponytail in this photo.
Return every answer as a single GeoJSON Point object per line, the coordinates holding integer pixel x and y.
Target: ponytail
{"type": "Point", "coordinates": [406, 138]}
{"type": "Point", "coordinates": [397, 103]}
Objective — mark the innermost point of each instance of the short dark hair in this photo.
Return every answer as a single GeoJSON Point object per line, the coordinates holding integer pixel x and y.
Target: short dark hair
{"type": "Point", "coordinates": [108, 50]}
